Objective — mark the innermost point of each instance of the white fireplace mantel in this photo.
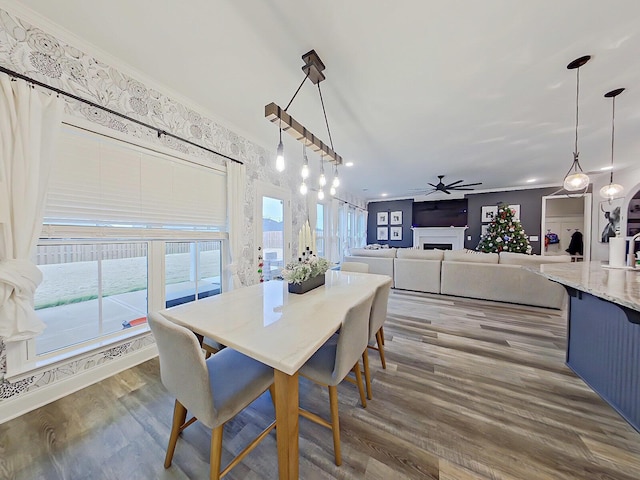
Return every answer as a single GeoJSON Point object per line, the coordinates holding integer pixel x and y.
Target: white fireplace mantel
{"type": "Point", "coordinates": [439, 235]}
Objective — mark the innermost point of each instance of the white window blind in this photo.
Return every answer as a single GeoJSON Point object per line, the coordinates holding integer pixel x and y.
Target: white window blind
{"type": "Point", "coordinates": [98, 180]}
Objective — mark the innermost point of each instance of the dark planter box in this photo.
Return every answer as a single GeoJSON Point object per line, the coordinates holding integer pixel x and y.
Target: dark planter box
{"type": "Point", "coordinates": [303, 287]}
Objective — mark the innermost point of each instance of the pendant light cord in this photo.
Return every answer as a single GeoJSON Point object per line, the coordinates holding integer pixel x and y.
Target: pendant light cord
{"type": "Point", "coordinates": [575, 151]}
{"type": "Point", "coordinates": [294, 95]}
{"type": "Point", "coordinates": [613, 130]}
{"type": "Point", "coordinates": [325, 117]}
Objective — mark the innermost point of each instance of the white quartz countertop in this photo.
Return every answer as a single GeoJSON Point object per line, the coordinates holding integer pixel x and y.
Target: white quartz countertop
{"type": "Point", "coordinates": [620, 286]}
{"type": "Point", "coordinates": [268, 323]}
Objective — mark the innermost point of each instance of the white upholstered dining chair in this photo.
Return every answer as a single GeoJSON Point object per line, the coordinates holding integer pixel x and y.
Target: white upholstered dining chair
{"type": "Point", "coordinates": [212, 390]}
{"type": "Point", "coordinates": [334, 360]}
{"type": "Point", "coordinates": [359, 267]}
{"type": "Point", "coordinates": [376, 333]}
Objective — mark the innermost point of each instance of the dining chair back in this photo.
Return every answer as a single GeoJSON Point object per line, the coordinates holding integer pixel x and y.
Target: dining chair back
{"type": "Point", "coordinates": [359, 267]}
{"type": "Point", "coordinates": [334, 360]}
{"type": "Point", "coordinates": [213, 390]}
{"type": "Point", "coordinates": [376, 333]}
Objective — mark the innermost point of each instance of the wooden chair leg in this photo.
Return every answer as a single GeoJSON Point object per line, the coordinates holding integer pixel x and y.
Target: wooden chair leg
{"type": "Point", "coordinates": [356, 370]}
{"type": "Point", "coordinates": [272, 392]}
{"type": "Point", "coordinates": [382, 334]}
{"type": "Point", "coordinates": [367, 372]}
{"type": "Point", "coordinates": [179, 416]}
{"type": "Point", "coordinates": [215, 459]}
{"type": "Point", "coordinates": [335, 423]}
{"type": "Point", "coordinates": [380, 341]}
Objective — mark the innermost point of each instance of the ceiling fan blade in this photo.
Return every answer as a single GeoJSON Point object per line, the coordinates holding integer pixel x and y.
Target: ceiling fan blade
{"type": "Point", "coordinates": [454, 183]}
{"type": "Point", "coordinates": [462, 189]}
{"type": "Point", "coordinates": [446, 191]}
{"type": "Point", "coordinates": [468, 185]}
{"type": "Point", "coordinates": [434, 186]}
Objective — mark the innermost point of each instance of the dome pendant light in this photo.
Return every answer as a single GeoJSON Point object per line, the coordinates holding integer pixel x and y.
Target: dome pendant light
{"type": "Point", "coordinates": [575, 179]}
{"type": "Point", "coordinates": [612, 190]}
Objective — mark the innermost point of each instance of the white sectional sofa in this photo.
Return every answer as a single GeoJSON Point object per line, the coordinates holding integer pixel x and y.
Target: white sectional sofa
{"type": "Point", "coordinates": [379, 261]}
{"type": "Point", "coordinates": [465, 273]}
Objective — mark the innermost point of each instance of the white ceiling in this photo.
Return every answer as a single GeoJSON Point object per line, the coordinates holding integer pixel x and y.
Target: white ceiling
{"type": "Point", "coordinates": [473, 90]}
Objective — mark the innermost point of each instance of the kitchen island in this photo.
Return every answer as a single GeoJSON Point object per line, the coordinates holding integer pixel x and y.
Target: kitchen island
{"type": "Point", "coordinates": [603, 330]}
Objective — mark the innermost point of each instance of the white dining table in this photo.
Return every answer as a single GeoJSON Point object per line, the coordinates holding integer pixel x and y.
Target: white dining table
{"type": "Point", "coordinates": [282, 330]}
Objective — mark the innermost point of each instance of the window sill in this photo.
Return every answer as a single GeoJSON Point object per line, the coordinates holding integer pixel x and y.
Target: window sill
{"type": "Point", "coordinates": [47, 362]}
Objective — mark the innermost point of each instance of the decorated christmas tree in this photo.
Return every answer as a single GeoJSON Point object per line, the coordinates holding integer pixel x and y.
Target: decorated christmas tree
{"type": "Point", "coordinates": [505, 234]}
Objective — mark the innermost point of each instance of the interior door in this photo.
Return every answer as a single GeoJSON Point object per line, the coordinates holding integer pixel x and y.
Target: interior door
{"type": "Point", "coordinates": [563, 215]}
{"type": "Point", "coordinates": [273, 231]}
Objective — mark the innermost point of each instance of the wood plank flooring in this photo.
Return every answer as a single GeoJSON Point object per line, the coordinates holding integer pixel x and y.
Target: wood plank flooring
{"type": "Point", "coordinates": [473, 390]}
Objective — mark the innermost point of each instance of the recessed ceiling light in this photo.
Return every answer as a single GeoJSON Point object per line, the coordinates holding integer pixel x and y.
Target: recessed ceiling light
{"type": "Point", "coordinates": [609, 167]}
{"type": "Point", "coordinates": [348, 164]}
{"type": "Point", "coordinates": [385, 194]}
{"type": "Point", "coordinates": [531, 180]}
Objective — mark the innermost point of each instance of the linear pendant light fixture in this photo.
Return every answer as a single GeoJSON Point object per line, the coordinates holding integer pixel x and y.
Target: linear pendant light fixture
{"type": "Point", "coordinates": [575, 179]}
{"type": "Point", "coordinates": [313, 68]}
{"type": "Point", "coordinates": [612, 190]}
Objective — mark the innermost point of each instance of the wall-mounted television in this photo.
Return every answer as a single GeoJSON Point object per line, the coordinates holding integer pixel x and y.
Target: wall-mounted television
{"type": "Point", "coordinates": [443, 213]}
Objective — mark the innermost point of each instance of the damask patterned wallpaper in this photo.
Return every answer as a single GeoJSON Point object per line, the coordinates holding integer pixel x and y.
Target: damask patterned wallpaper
{"type": "Point", "coordinates": [29, 50]}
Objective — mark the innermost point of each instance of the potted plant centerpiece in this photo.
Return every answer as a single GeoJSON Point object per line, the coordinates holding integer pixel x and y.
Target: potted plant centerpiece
{"type": "Point", "coordinates": [305, 274]}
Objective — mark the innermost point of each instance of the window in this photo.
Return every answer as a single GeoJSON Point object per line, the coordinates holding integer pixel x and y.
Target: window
{"type": "Point", "coordinates": [89, 290]}
{"type": "Point", "coordinates": [192, 271]}
{"type": "Point", "coordinates": [320, 229]}
{"type": "Point", "coordinates": [127, 230]}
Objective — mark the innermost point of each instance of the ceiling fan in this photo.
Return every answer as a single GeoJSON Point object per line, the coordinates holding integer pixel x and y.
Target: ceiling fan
{"type": "Point", "coordinates": [456, 186]}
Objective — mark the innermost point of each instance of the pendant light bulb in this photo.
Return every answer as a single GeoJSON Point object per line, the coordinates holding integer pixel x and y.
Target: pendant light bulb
{"type": "Point", "coordinates": [322, 181]}
{"type": "Point", "coordinates": [280, 157]}
{"type": "Point", "coordinates": [576, 181]}
{"type": "Point", "coordinates": [332, 190]}
{"type": "Point", "coordinates": [320, 194]}
{"type": "Point", "coordinates": [336, 180]}
{"type": "Point", "coordinates": [611, 191]}
{"type": "Point", "coordinates": [303, 188]}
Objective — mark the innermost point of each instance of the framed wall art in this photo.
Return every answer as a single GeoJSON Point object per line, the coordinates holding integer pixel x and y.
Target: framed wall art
{"type": "Point", "coordinates": [488, 213]}
{"type": "Point", "coordinates": [382, 233]}
{"type": "Point", "coordinates": [396, 233]}
{"type": "Point", "coordinates": [383, 218]}
{"type": "Point", "coordinates": [396, 218]}
{"type": "Point", "coordinates": [609, 218]}
{"type": "Point", "coordinates": [516, 211]}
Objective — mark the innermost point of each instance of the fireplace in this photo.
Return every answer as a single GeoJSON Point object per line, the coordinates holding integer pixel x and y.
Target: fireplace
{"type": "Point", "coordinates": [446, 238]}
{"type": "Point", "coordinates": [440, 246]}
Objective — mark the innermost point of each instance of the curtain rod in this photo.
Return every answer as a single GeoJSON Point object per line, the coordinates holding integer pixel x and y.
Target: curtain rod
{"type": "Point", "coordinates": [159, 131]}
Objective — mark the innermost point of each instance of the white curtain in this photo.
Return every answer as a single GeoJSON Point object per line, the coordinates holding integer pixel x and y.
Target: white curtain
{"type": "Point", "coordinates": [29, 127]}
{"type": "Point", "coordinates": [236, 181]}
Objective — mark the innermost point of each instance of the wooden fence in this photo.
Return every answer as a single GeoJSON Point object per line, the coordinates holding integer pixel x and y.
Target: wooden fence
{"type": "Point", "coordinates": [53, 254]}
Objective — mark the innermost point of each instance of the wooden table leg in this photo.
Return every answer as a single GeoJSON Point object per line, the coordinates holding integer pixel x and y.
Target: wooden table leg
{"type": "Point", "coordinates": [286, 387]}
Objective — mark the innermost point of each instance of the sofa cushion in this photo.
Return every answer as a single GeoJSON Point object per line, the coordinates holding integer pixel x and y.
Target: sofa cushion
{"type": "Point", "coordinates": [381, 253]}
{"type": "Point", "coordinates": [470, 256]}
{"type": "Point", "coordinates": [511, 258]}
{"type": "Point", "coordinates": [414, 253]}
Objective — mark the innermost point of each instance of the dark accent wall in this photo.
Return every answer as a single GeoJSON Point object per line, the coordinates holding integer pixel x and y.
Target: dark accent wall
{"type": "Point", "coordinates": [530, 202]}
{"type": "Point", "coordinates": [406, 207]}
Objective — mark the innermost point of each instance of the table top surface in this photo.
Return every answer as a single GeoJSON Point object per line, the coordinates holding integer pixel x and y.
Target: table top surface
{"type": "Point", "coordinates": [620, 286]}
{"type": "Point", "coordinates": [266, 322]}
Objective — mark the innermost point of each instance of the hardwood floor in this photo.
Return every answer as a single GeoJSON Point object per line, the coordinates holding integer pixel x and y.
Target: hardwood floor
{"type": "Point", "coordinates": [472, 390]}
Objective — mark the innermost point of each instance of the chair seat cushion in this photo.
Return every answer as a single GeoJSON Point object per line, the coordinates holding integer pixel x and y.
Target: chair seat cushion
{"type": "Point", "coordinates": [236, 380]}
{"type": "Point", "coordinates": [319, 367]}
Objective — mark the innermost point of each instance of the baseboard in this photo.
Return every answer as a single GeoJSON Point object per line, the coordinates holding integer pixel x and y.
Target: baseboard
{"type": "Point", "coordinates": [14, 407]}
